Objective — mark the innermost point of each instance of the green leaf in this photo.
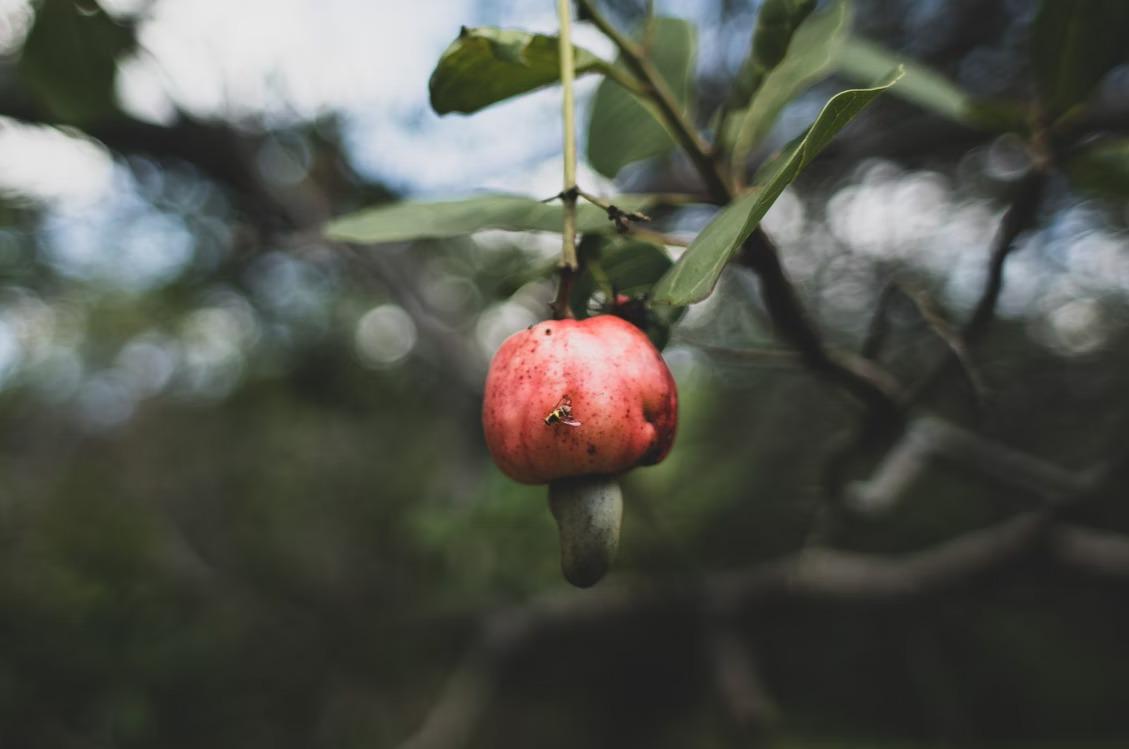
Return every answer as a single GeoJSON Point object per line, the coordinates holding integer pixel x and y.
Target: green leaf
{"type": "Point", "coordinates": [632, 266]}
{"type": "Point", "coordinates": [69, 60]}
{"type": "Point", "coordinates": [619, 265]}
{"type": "Point", "coordinates": [407, 220]}
{"type": "Point", "coordinates": [811, 56]}
{"type": "Point", "coordinates": [1102, 168]}
{"type": "Point", "coordinates": [777, 22]}
{"type": "Point", "coordinates": [623, 129]}
{"type": "Point", "coordinates": [694, 276]}
{"type": "Point", "coordinates": [487, 65]}
{"type": "Point", "coordinates": [864, 62]}
{"type": "Point", "coordinates": [1073, 44]}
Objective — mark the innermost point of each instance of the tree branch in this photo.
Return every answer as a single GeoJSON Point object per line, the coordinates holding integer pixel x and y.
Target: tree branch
{"type": "Point", "coordinates": [957, 343]}
{"type": "Point", "coordinates": [465, 697]}
{"type": "Point", "coordinates": [1020, 217]}
{"type": "Point", "coordinates": [931, 439]}
{"type": "Point", "coordinates": [818, 573]}
{"type": "Point", "coordinates": [878, 331]}
{"type": "Point", "coordinates": [862, 378]}
{"type": "Point", "coordinates": [1089, 550]}
{"type": "Point", "coordinates": [739, 685]}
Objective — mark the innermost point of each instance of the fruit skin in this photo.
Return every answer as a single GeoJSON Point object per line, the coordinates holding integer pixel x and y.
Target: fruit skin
{"type": "Point", "coordinates": [621, 392]}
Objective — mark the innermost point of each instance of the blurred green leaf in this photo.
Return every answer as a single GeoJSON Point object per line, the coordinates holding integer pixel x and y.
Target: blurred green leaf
{"type": "Point", "coordinates": [811, 56]}
{"type": "Point", "coordinates": [1102, 168]}
{"type": "Point", "coordinates": [693, 277]}
{"type": "Point", "coordinates": [625, 271]}
{"type": "Point", "coordinates": [1073, 44]}
{"type": "Point", "coordinates": [418, 220]}
{"type": "Point", "coordinates": [69, 60]}
{"type": "Point", "coordinates": [623, 129]}
{"type": "Point", "coordinates": [487, 65]}
{"type": "Point", "coordinates": [777, 21]}
{"type": "Point", "coordinates": [618, 265]}
{"type": "Point", "coordinates": [865, 62]}
{"type": "Point", "coordinates": [633, 266]}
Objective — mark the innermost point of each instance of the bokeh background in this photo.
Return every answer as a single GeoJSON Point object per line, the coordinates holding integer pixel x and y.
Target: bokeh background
{"type": "Point", "coordinates": [244, 498]}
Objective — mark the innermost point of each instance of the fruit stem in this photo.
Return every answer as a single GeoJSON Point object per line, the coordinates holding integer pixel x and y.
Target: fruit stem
{"type": "Point", "coordinates": [561, 306]}
{"type": "Point", "coordinates": [568, 118]}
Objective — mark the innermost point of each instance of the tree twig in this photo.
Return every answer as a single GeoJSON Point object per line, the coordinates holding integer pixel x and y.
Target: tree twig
{"type": "Point", "coordinates": [1018, 218]}
{"type": "Point", "coordinates": [862, 378]}
{"type": "Point", "coordinates": [927, 309]}
{"type": "Point", "coordinates": [656, 237]}
{"type": "Point", "coordinates": [1090, 550]}
{"type": "Point", "coordinates": [738, 683]}
{"type": "Point", "coordinates": [928, 440]}
{"type": "Point", "coordinates": [466, 696]}
{"type": "Point", "coordinates": [621, 218]}
{"type": "Point", "coordinates": [957, 343]}
{"type": "Point", "coordinates": [879, 328]}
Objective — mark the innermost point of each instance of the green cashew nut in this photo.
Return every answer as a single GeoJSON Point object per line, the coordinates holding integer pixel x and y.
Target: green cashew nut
{"type": "Point", "coordinates": [589, 513]}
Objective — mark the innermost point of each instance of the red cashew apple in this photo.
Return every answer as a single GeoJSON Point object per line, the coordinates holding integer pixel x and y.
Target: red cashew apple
{"type": "Point", "coordinates": [606, 373]}
{"type": "Point", "coordinates": [574, 403]}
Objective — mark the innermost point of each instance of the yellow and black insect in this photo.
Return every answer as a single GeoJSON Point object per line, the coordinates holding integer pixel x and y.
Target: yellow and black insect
{"type": "Point", "coordinates": [562, 413]}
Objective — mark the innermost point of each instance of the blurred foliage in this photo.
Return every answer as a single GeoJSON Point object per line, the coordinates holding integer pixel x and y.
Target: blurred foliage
{"type": "Point", "coordinates": [244, 500]}
{"type": "Point", "coordinates": [794, 67]}
{"type": "Point", "coordinates": [1075, 43]}
{"type": "Point", "coordinates": [69, 59]}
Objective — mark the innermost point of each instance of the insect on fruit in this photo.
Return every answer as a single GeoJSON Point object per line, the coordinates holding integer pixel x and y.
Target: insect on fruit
{"type": "Point", "coordinates": [562, 412]}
